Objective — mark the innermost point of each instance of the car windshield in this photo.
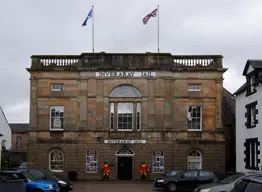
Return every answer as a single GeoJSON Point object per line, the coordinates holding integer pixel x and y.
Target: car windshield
{"type": "Point", "coordinates": [29, 176]}
{"type": "Point", "coordinates": [232, 178]}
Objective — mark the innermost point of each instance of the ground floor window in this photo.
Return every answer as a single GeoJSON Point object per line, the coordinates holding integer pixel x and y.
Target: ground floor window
{"type": "Point", "coordinates": [251, 153]}
{"type": "Point", "coordinates": [194, 160]}
{"type": "Point", "coordinates": [56, 160]}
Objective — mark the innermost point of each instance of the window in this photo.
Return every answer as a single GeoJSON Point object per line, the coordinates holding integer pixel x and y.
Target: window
{"type": "Point", "coordinates": [56, 118]}
{"type": "Point", "coordinates": [56, 160]}
{"type": "Point", "coordinates": [126, 114]}
{"type": "Point", "coordinates": [57, 87]}
{"type": "Point", "coordinates": [189, 174]}
{"type": "Point", "coordinates": [251, 115]}
{"type": "Point", "coordinates": [240, 186]}
{"type": "Point", "coordinates": [206, 174]}
{"type": "Point", "coordinates": [3, 144]}
{"type": "Point", "coordinates": [125, 119]}
{"type": "Point", "coordinates": [37, 173]}
{"type": "Point", "coordinates": [194, 117]}
{"type": "Point", "coordinates": [138, 116]}
{"type": "Point", "coordinates": [194, 160]}
{"type": "Point", "coordinates": [112, 111]}
{"type": "Point", "coordinates": [194, 87]}
{"type": "Point", "coordinates": [125, 91]}
{"type": "Point", "coordinates": [251, 153]}
{"type": "Point", "coordinates": [18, 142]}
{"type": "Point", "coordinates": [251, 88]}
{"type": "Point", "coordinates": [252, 186]}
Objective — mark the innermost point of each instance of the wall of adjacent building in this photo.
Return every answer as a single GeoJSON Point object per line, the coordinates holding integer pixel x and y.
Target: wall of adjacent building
{"type": "Point", "coordinates": [242, 133]}
{"type": "Point", "coordinates": [5, 129]}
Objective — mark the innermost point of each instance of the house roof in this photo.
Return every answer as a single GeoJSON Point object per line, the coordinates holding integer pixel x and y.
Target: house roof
{"type": "Point", "coordinates": [229, 101]}
{"type": "Point", "coordinates": [241, 89]}
{"type": "Point", "coordinates": [256, 64]}
{"type": "Point", "coordinates": [19, 127]}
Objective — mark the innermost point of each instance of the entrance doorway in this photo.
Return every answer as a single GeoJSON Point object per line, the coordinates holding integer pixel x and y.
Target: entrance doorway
{"type": "Point", "coordinates": [124, 168]}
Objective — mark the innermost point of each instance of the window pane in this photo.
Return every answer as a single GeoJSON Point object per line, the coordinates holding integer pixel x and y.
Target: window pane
{"type": "Point", "coordinates": [125, 116]}
{"type": "Point", "coordinates": [194, 116]}
{"type": "Point", "coordinates": [190, 174]}
{"type": "Point", "coordinates": [138, 116]}
{"type": "Point", "coordinates": [252, 187]}
{"type": "Point", "coordinates": [125, 91]}
{"type": "Point", "coordinates": [56, 117]}
{"type": "Point", "coordinates": [112, 110]}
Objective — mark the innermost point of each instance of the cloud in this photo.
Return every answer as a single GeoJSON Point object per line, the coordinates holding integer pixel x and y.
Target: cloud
{"type": "Point", "coordinates": [230, 28]}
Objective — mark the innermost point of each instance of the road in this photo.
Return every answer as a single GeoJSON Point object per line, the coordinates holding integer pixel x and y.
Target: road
{"type": "Point", "coordinates": [113, 186]}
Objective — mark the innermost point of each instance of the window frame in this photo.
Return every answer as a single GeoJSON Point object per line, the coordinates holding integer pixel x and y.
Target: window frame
{"type": "Point", "coordinates": [250, 109]}
{"type": "Point", "coordinates": [190, 87]}
{"type": "Point", "coordinates": [138, 117]}
{"type": "Point", "coordinates": [57, 89]}
{"type": "Point", "coordinates": [18, 138]}
{"type": "Point", "coordinates": [111, 117]}
{"type": "Point", "coordinates": [200, 161]}
{"type": "Point", "coordinates": [251, 83]}
{"type": "Point", "coordinates": [252, 159]}
{"type": "Point", "coordinates": [201, 118]}
{"type": "Point", "coordinates": [50, 117]}
{"type": "Point", "coordinates": [133, 116]}
{"type": "Point", "coordinates": [63, 161]}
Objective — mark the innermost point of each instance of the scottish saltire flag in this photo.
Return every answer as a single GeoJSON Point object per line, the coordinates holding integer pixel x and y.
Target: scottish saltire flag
{"type": "Point", "coordinates": [152, 14]}
{"type": "Point", "coordinates": [88, 17]}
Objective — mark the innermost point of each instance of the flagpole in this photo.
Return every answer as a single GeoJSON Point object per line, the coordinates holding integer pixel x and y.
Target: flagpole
{"type": "Point", "coordinates": [93, 29]}
{"type": "Point", "coordinates": [158, 28]}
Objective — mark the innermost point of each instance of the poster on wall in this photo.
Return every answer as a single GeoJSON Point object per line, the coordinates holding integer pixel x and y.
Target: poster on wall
{"type": "Point", "coordinates": [158, 162]}
{"type": "Point", "coordinates": [91, 161]}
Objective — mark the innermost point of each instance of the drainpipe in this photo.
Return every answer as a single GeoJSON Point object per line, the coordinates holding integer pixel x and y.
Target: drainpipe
{"type": "Point", "coordinates": [0, 150]}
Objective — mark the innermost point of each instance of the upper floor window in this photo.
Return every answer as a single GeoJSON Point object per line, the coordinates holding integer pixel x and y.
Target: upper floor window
{"type": "Point", "coordinates": [251, 88]}
{"type": "Point", "coordinates": [251, 115]}
{"type": "Point", "coordinates": [125, 115]}
{"type": "Point", "coordinates": [57, 87]}
{"type": "Point", "coordinates": [125, 91]}
{"type": "Point", "coordinates": [56, 118]}
{"type": "Point", "coordinates": [194, 118]}
{"type": "Point", "coordinates": [194, 87]}
{"type": "Point", "coordinates": [18, 142]}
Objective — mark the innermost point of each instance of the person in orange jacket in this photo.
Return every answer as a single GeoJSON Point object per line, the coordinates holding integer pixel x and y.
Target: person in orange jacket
{"type": "Point", "coordinates": [143, 171]}
{"type": "Point", "coordinates": [106, 171]}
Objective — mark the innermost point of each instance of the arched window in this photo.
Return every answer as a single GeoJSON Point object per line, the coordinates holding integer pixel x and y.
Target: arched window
{"type": "Point", "coordinates": [194, 160]}
{"type": "Point", "coordinates": [56, 160]}
{"type": "Point", "coordinates": [125, 152]}
{"type": "Point", "coordinates": [125, 91]}
{"type": "Point", "coordinates": [125, 116]}
{"type": "Point", "coordinates": [18, 142]}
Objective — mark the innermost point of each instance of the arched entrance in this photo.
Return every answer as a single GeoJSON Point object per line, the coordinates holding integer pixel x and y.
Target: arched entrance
{"type": "Point", "coordinates": [124, 158]}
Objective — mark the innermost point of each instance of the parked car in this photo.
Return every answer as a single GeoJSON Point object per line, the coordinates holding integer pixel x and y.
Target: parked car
{"type": "Point", "coordinates": [31, 183]}
{"type": "Point", "coordinates": [64, 184]}
{"type": "Point", "coordinates": [248, 184]}
{"type": "Point", "coordinates": [226, 184]}
{"type": "Point", "coordinates": [186, 180]}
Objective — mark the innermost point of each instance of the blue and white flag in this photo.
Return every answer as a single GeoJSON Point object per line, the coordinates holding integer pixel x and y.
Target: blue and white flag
{"type": "Point", "coordinates": [88, 17]}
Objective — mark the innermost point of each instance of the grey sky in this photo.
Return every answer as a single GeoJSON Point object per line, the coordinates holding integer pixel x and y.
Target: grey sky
{"type": "Point", "coordinates": [230, 28]}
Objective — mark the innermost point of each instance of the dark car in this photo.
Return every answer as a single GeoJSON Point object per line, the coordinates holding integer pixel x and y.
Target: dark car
{"type": "Point", "coordinates": [64, 184]}
{"type": "Point", "coordinates": [249, 184]}
{"type": "Point", "coordinates": [187, 180]}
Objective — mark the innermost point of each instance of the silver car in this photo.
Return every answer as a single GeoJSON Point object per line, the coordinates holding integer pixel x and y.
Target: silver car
{"type": "Point", "coordinates": [226, 184]}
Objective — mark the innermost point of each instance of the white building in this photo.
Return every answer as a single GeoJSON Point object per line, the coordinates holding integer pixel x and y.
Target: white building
{"type": "Point", "coordinates": [5, 131]}
{"type": "Point", "coordinates": [249, 119]}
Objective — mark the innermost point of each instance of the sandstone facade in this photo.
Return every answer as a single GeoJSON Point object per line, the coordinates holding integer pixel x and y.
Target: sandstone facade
{"type": "Point", "coordinates": [164, 103]}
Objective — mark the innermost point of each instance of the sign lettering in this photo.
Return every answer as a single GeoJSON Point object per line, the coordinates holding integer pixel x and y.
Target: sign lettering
{"type": "Point", "coordinates": [110, 141]}
{"type": "Point", "coordinates": [124, 74]}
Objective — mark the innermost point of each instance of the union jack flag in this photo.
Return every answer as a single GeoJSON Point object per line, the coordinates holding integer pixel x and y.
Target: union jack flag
{"type": "Point", "coordinates": [152, 14]}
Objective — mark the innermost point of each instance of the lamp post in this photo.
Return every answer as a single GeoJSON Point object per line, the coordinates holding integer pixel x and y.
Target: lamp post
{"type": "Point", "coordinates": [0, 151]}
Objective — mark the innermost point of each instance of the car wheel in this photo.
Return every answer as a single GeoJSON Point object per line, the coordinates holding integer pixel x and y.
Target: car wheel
{"type": "Point", "coordinates": [171, 187]}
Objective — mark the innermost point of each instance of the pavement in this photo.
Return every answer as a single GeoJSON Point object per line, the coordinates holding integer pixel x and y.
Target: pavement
{"type": "Point", "coordinates": [113, 186]}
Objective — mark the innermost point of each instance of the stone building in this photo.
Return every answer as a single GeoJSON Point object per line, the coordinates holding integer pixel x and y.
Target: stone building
{"type": "Point", "coordinates": [125, 109]}
{"type": "Point", "coordinates": [19, 142]}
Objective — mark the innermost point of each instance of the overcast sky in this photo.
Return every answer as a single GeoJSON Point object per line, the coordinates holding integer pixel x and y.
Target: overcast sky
{"type": "Point", "coordinates": [230, 28]}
